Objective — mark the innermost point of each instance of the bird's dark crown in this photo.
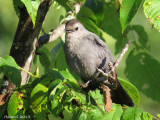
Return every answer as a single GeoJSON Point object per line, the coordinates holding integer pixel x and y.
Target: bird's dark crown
{"type": "Point", "coordinates": [73, 26]}
{"type": "Point", "coordinates": [72, 22]}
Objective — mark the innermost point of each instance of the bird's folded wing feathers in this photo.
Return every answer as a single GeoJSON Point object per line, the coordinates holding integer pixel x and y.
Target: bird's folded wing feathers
{"type": "Point", "coordinates": [103, 48]}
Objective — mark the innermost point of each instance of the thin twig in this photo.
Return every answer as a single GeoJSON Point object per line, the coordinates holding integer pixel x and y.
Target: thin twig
{"type": "Point", "coordinates": [56, 33]}
{"type": "Point", "coordinates": [121, 55]}
{"type": "Point", "coordinates": [155, 117]}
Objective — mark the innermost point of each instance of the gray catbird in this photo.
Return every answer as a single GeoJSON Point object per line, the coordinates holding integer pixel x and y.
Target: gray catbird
{"type": "Point", "coordinates": [85, 52]}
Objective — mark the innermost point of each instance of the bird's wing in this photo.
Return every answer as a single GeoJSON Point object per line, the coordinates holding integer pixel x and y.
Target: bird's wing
{"type": "Point", "coordinates": [102, 50]}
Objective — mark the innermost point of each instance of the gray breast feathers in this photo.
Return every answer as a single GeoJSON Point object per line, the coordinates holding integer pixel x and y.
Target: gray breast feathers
{"type": "Point", "coordinates": [90, 53]}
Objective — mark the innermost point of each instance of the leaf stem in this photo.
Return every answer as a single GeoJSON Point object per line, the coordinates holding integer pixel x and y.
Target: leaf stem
{"type": "Point", "coordinates": [35, 76]}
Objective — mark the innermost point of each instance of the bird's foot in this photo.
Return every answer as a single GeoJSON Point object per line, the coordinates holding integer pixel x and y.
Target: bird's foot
{"type": "Point", "coordinates": [84, 85]}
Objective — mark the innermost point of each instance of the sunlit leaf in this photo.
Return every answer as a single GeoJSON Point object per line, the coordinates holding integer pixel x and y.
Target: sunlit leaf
{"type": "Point", "coordinates": [38, 96]}
{"type": "Point", "coordinates": [87, 13]}
{"type": "Point", "coordinates": [80, 96]}
{"type": "Point", "coordinates": [32, 8]}
{"type": "Point", "coordinates": [115, 114]}
{"type": "Point", "coordinates": [146, 116]}
{"type": "Point", "coordinates": [88, 19]}
{"type": "Point", "coordinates": [131, 90]}
{"type": "Point", "coordinates": [79, 115]}
{"type": "Point", "coordinates": [11, 69]}
{"type": "Point", "coordinates": [128, 10]}
{"type": "Point", "coordinates": [132, 114]}
{"type": "Point", "coordinates": [15, 105]}
{"type": "Point", "coordinates": [152, 12]}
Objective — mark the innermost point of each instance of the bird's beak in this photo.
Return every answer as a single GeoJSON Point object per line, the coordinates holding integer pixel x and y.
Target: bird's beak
{"type": "Point", "coordinates": [68, 31]}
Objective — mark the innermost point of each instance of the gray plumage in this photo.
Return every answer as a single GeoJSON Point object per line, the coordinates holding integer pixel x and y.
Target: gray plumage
{"type": "Point", "coordinates": [85, 52]}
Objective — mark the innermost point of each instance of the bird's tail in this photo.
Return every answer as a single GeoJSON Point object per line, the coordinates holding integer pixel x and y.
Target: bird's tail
{"type": "Point", "coordinates": [120, 96]}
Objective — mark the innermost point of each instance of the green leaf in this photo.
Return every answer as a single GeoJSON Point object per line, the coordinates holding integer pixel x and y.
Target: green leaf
{"type": "Point", "coordinates": [80, 96]}
{"type": "Point", "coordinates": [132, 114]}
{"type": "Point", "coordinates": [131, 90]}
{"type": "Point", "coordinates": [60, 93]}
{"type": "Point", "coordinates": [67, 75]}
{"type": "Point", "coordinates": [67, 4]}
{"type": "Point", "coordinates": [112, 26]}
{"type": "Point", "coordinates": [147, 72]}
{"type": "Point", "coordinates": [152, 12]}
{"type": "Point", "coordinates": [158, 115]}
{"type": "Point", "coordinates": [41, 116]}
{"type": "Point", "coordinates": [32, 8]}
{"type": "Point", "coordinates": [146, 116]}
{"type": "Point", "coordinates": [142, 36]}
{"type": "Point", "coordinates": [96, 97]}
{"type": "Point", "coordinates": [79, 114]}
{"type": "Point", "coordinates": [60, 61]}
{"type": "Point", "coordinates": [58, 100]}
{"type": "Point", "coordinates": [51, 93]}
{"type": "Point", "coordinates": [98, 8]}
{"type": "Point", "coordinates": [89, 25]}
{"type": "Point", "coordinates": [56, 49]}
{"type": "Point", "coordinates": [111, 22]}
{"type": "Point", "coordinates": [87, 13]}
{"type": "Point", "coordinates": [115, 114]}
{"type": "Point", "coordinates": [53, 105]}
{"type": "Point", "coordinates": [38, 96]}
{"type": "Point", "coordinates": [73, 85]}
{"type": "Point", "coordinates": [141, 43]}
{"type": "Point", "coordinates": [88, 19]}
{"type": "Point", "coordinates": [128, 10]}
{"type": "Point", "coordinates": [71, 103]}
{"type": "Point", "coordinates": [53, 86]}
{"type": "Point", "coordinates": [45, 79]}
{"type": "Point", "coordinates": [2, 62]}
{"type": "Point", "coordinates": [17, 4]}
{"type": "Point", "coordinates": [95, 114]}
{"type": "Point", "coordinates": [11, 69]}
{"type": "Point", "coordinates": [69, 99]}
{"type": "Point", "coordinates": [56, 74]}
{"type": "Point", "coordinates": [88, 114]}
{"type": "Point", "coordinates": [15, 105]}
{"type": "Point", "coordinates": [44, 57]}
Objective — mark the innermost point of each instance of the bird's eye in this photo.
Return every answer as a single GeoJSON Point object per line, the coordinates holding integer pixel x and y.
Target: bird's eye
{"type": "Point", "coordinates": [76, 28]}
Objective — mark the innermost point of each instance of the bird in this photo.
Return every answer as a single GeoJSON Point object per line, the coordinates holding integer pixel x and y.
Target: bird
{"type": "Point", "coordinates": [85, 52]}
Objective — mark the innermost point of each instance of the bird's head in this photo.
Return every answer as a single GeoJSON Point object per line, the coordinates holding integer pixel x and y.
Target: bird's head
{"type": "Point", "coordinates": [74, 26]}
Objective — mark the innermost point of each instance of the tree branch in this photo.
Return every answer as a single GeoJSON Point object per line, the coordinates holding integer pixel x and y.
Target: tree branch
{"type": "Point", "coordinates": [56, 33]}
{"type": "Point", "coordinates": [24, 44]}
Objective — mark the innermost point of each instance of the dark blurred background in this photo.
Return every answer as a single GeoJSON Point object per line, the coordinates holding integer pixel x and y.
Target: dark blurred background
{"type": "Point", "coordinates": [9, 22]}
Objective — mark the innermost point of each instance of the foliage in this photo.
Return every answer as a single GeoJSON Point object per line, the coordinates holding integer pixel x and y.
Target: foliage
{"type": "Point", "coordinates": [9, 67]}
{"type": "Point", "coordinates": [152, 12]}
{"type": "Point", "coordinates": [127, 11]}
{"type": "Point", "coordinates": [31, 5]}
{"type": "Point", "coordinates": [56, 89]}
